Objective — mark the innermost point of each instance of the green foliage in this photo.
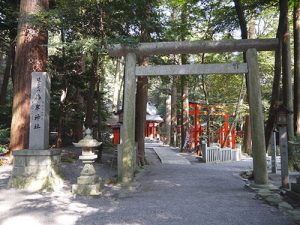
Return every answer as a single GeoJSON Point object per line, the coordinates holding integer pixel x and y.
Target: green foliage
{"type": "Point", "coordinates": [79, 30]}
{"type": "Point", "coordinates": [3, 149]}
{"type": "Point", "coordinates": [4, 136]}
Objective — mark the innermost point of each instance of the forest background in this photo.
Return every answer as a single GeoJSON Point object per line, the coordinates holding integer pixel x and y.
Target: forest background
{"type": "Point", "coordinates": [87, 85]}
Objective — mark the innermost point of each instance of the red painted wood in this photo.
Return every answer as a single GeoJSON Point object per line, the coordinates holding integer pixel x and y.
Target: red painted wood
{"type": "Point", "coordinates": [116, 133]}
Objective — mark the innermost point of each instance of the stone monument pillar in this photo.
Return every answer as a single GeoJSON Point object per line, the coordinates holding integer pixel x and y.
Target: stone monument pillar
{"type": "Point", "coordinates": [38, 167]}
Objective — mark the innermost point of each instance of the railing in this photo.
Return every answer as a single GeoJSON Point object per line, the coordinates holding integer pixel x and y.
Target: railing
{"type": "Point", "coordinates": [216, 154]}
{"type": "Point", "coordinates": [225, 154]}
{"type": "Point", "coordinates": [212, 154]}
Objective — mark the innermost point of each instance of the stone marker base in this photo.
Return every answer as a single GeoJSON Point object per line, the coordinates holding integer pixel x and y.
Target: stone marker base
{"type": "Point", "coordinates": [86, 189]}
{"type": "Point", "coordinates": [88, 183]}
{"type": "Point", "coordinates": [36, 170]}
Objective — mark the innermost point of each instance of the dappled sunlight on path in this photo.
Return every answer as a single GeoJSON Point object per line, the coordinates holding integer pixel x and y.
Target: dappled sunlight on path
{"type": "Point", "coordinates": [168, 194]}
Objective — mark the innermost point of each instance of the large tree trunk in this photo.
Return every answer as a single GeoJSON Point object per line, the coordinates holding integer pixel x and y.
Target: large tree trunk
{"type": "Point", "coordinates": [117, 81]}
{"type": "Point", "coordinates": [174, 112]}
{"type": "Point", "coordinates": [7, 74]}
{"type": "Point", "coordinates": [31, 55]}
{"type": "Point", "coordinates": [141, 108]}
{"type": "Point", "coordinates": [184, 80]}
{"type": "Point", "coordinates": [168, 119]}
{"type": "Point", "coordinates": [142, 93]}
{"type": "Point", "coordinates": [275, 98]}
{"type": "Point", "coordinates": [297, 67]}
{"type": "Point", "coordinates": [61, 113]}
{"type": "Point", "coordinates": [185, 114]}
{"type": "Point", "coordinates": [247, 141]}
{"type": "Point", "coordinates": [286, 69]}
{"type": "Point", "coordinates": [241, 18]}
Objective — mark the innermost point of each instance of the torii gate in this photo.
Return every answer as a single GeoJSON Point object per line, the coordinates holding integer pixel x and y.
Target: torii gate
{"type": "Point", "coordinates": [127, 155]}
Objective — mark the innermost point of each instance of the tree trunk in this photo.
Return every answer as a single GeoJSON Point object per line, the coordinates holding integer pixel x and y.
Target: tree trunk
{"type": "Point", "coordinates": [297, 67]}
{"type": "Point", "coordinates": [184, 80]}
{"type": "Point", "coordinates": [116, 85]}
{"type": "Point", "coordinates": [275, 98]}
{"type": "Point", "coordinates": [286, 70]}
{"type": "Point", "coordinates": [7, 74]}
{"type": "Point", "coordinates": [141, 108]}
{"type": "Point", "coordinates": [174, 112]}
{"type": "Point", "coordinates": [61, 113]}
{"type": "Point", "coordinates": [168, 119]}
{"type": "Point", "coordinates": [31, 56]}
{"type": "Point", "coordinates": [184, 112]}
{"type": "Point", "coordinates": [91, 92]}
{"type": "Point", "coordinates": [241, 18]}
{"type": "Point", "coordinates": [247, 141]}
{"type": "Point", "coordinates": [142, 92]}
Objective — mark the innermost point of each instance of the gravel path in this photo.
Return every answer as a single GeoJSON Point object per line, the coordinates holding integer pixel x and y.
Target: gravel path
{"type": "Point", "coordinates": [208, 194]}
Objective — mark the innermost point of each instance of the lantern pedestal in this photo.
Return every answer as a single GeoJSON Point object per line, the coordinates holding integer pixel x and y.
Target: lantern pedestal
{"type": "Point", "coordinates": [88, 183]}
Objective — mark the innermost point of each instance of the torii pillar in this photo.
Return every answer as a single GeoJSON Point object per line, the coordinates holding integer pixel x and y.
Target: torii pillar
{"type": "Point", "coordinates": [127, 153]}
{"type": "Point", "coordinates": [256, 120]}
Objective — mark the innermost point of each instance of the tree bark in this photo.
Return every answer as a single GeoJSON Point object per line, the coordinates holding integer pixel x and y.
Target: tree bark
{"type": "Point", "coordinates": [275, 98]}
{"type": "Point", "coordinates": [247, 142]}
{"type": "Point", "coordinates": [61, 113]}
{"type": "Point", "coordinates": [91, 92]}
{"type": "Point", "coordinates": [241, 18]}
{"type": "Point", "coordinates": [141, 108]}
{"type": "Point", "coordinates": [116, 85]}
{"type": "Point", "coordinates": [31, 55]}
{"type": "Point", "coordinates": [184, 80]}
{"type": "Point", "coordinates": [168, 119]}
{"type": "Point", "coordinates": [184, 112]}
{"type": "Point", "coordinates": [286, 69]}
{"type": "Point", "coordinates": [142, 94]}
{"type": "Point", "coordinates": [174, 112]}
{"type": "Point", "coordinates": [7, 74]}
{"type": "Point", "coordinates": [297, 67]}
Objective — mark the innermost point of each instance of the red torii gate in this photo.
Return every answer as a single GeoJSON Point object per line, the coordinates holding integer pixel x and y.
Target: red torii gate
{"type": "Point", "coordinates": [197, 130]}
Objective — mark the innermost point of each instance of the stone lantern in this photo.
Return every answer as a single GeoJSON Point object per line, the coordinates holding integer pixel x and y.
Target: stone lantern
{"type": "Point", "coordinates": [88, 183]}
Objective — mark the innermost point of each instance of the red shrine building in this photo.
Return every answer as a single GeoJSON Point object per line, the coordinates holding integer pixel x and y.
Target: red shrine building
{"type": "Point", "coordinates": [153, 121]}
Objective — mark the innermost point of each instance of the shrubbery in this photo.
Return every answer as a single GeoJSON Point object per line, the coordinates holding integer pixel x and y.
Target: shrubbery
{"type": "Point", "coordinates": [4, 139]}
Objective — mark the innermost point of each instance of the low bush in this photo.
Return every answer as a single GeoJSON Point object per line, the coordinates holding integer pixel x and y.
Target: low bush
{"type": "Point", "coordinates": [4, 136]}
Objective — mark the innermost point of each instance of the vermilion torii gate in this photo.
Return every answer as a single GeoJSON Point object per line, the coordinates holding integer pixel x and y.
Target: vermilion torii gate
{"type": "Point", "coordinates": [127, 155]}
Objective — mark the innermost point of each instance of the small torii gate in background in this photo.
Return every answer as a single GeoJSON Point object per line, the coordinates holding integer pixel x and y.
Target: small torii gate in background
{"type": "Point", "coordinates": [127, 153]}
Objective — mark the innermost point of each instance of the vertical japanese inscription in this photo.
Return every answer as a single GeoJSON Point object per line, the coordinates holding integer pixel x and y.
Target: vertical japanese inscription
{"type": "Point", "coordinates": [39, 117]}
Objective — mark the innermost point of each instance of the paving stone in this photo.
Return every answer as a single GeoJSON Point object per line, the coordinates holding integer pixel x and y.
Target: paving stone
{"type": "Point", "coordinates": [264, 193]}
{"type": "Point", "coordinates": [274, 199]}
{"type": "Point", "coordinates": [284, 206]}
{"type": "Point", "coordinates": [294, 214]}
